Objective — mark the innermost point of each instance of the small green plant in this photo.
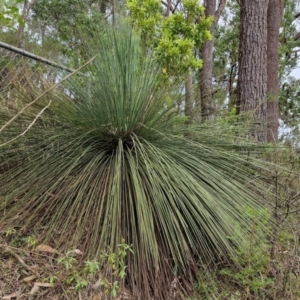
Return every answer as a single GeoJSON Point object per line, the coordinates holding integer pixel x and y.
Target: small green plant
{"type": "Point", "coordinates": [18, 240]}
{"type": "Point", "coordinates": [31, 241]}
{"type": "Point", "coordinates": [91, 267]}
{"type": "Point", "coordinates": [80, 283]}
{"type": "Point", "coordinates": [252, 258]}
{"type": "Point", "coordinates": [52, 279]}
{"type": "Point", "coordinates": [77, 280]}
{"type": "Point", "coordinates": [10, 231]}
{"type": "Point", "coordinates": [117, 263]}
{"type": "Point", "coordinates": [113, 263]}
{"type": "Point", "coordinates": [68, 260]}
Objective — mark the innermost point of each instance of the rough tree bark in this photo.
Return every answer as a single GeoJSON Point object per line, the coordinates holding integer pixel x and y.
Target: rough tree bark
{"type": "Point", "coordinates": [252, 74]}
{"type": "Point", "coordinates": [205, 81]}
{"type": "Point", "coordinates": [275, 12]}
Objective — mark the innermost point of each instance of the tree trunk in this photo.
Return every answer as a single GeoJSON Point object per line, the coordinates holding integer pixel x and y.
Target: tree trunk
{"type": "Point", "coordinates": [21, 27]}
{"type": "Point", "coordinates": [205, 85]}
{"type": "Point", "coordinates": [189, 97]}
{"type": "Point", "coordinates": [207, 104]}
{"type": "Point", "coordinates": [275, 12]}
{"type": "Point", "coordinates": [252, 74]}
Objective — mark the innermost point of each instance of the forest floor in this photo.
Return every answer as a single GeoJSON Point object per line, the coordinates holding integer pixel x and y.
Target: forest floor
{"type": "Point", "coordinates": [37, 271]}
{"type": "Point", "coordinates": [31, 271]}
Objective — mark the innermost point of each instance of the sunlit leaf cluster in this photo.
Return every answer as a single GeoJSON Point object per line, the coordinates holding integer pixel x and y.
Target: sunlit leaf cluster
{"type": "Point", "coordinates": [174, 39]}
{"type": "Point", "coordinates": [9, 13]}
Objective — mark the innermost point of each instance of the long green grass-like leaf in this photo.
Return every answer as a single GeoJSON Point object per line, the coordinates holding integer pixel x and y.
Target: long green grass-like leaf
{"type": "Point", "coordinates": [111, 162]}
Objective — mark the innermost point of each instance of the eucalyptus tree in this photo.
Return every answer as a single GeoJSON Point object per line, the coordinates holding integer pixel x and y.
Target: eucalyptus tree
{"type": "Point", "coordinates": [108, 160]}
{"type": "Point", "coordinates": [252, 75]}
{"type": "Point", "coordinates": [9, 13]}
{"type": "Point", "coordinates": [280, 57]}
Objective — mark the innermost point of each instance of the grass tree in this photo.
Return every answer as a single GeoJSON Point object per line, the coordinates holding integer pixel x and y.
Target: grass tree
{"type": "Point", "coordinates": [109, 160]}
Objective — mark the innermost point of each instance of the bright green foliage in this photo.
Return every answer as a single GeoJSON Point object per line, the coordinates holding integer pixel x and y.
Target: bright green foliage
{"type": "Point", "coordinates": [148, 15]}
{"type": "Point", "coordinates": [68, 260]}
{"type": "Point", "coordinates": [74, 276]}
{"type": "Point", "coordinates": [9, 13]}
{"type": "Point", "coordinates": [174, 39]}
{"type": "Point", "coordinates": [91, 267]}
{"type": "Point", "coordinates": [109, 160]}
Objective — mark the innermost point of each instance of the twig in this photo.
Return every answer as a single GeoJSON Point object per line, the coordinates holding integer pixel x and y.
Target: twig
{"type": "Point", "coordinates": [43, 94]}
{"type": "Point", "coordinates": [21, 261]}
{"type": "Point", "coordinates": [30, 125]}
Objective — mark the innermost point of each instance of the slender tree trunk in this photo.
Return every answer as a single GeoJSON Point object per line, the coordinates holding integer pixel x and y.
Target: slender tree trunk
{"type": "Point", "coordinates": [205, 85]}
{"type": "Point", "coordinates": [207, 104]}
{"type": "Point", "coordinates": [275, 12]}
{"type": "Point", "coordinates": [189, 97]}
{"type": "Point", "coordinates": [252, 74]}
{"type": "Point", "coordinates": [169, 4]}
{"type": "Point", "coordinates": [21, 27]}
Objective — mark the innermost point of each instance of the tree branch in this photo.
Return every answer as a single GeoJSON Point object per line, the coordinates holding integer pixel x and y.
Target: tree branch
{"type": "Point", "coordinates": [175, 7]}
{"type": "Point", "coordinates": [168, 6]}
{"type": "Point", "coordinates": [218, 12]}
{"type": "Point", "coordinates": [297, 15]}
{"type": "Point", "coordinates": [297, 36]}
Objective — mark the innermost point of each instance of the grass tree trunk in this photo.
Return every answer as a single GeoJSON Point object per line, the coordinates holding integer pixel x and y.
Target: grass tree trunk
{"type": "Point", "coordinates": [275, 11]}
{"type": "Point", "coordinates": [252, 75]}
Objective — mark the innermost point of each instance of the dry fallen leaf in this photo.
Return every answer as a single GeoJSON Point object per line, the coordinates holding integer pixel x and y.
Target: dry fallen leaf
{"type": "Point", "coordinates": [37, 285]}
{"type": "Point", "coordinates": [8, 297]}
{"type": "Point", "coordinates": [46, 248]}
{"type": "Point", "coordinates": [97, 297]}
{"type": "Point", "coordinates": [34, 289]}
{"type": "Point", "coordinates": [97, 284]}
{"type": "Point", "coordinates": [29, 278]}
